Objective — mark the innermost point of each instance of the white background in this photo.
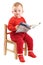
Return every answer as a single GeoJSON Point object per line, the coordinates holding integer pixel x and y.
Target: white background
{"type": "Point", "coordinates": [33, 13]}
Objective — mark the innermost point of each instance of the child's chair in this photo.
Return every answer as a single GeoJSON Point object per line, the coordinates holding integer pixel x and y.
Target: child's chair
{"type": "Point", "coordinates": [10, 41]}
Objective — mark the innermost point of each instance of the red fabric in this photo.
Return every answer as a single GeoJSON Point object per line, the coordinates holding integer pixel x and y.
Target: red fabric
{"type": "Point", "coordinates": [21, 58]}
{"type": "Point", "coordinates": [19, 38]}
{"type": "Point", "coordinates": [31, 54]}
{"type": "Point", "coordinates": [13, 22]}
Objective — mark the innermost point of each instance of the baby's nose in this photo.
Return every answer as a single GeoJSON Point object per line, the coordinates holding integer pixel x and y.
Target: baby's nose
{"type": "Point", "coordinates": [17, 12]}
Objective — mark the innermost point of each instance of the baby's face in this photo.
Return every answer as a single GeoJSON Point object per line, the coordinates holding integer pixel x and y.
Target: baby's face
{"type": "Point", "coordinates": [17, 11]}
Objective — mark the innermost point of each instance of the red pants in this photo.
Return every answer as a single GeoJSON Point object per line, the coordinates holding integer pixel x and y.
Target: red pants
{"type": "Point", "coordinates": [20, 38]}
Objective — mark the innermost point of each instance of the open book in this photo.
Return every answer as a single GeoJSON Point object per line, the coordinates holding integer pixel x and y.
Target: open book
{"type": "Point", "coordinates": [24, 27]}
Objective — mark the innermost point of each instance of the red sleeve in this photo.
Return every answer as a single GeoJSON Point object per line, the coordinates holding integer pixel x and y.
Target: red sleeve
{"type": "Point", "coordinates": [11, 26]}
{"type": "Point", "coordinates": [23, 20]}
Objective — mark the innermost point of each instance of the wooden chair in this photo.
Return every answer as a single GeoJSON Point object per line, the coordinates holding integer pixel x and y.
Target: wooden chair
{"type": "Point", "coordinates": [6, 40]}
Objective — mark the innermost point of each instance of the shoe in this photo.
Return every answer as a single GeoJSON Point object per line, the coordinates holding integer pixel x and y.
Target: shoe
{"type": "Point", "coordinates": [31, 54]}
{"type": "Point", "coordinates": [21, 58]}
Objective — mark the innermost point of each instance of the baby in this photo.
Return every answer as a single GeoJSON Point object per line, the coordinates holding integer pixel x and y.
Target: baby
{"type": "Point", "coordinates": [20, 37]}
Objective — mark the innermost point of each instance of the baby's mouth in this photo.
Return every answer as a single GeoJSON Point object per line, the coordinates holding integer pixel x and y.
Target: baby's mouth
{"type": "Point", "coordinates": [17, 14]}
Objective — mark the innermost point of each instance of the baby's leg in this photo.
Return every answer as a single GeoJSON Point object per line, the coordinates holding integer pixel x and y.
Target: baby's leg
{"type": "Point", "coordinates": [19, 41]}
{"type": "Point", "coordinates": [29, 41]}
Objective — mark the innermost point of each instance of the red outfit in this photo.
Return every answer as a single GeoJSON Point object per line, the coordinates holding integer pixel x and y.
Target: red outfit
{"type": "Point", "coordinates": [20, 37]}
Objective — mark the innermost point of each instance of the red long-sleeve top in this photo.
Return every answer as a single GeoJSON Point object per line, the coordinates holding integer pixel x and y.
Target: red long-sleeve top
{"type": "Point", "coordinates": [13, 22]}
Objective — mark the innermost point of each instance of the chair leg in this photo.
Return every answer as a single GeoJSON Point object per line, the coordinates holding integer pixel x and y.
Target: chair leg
{"type": "Point", "coordinates": [5, 39]}
{"type": "Point", "coordinates": [15, 50]}
{"type": "Point", "coordinates": [5, 47]}
{"type": "Point", "coordinates": [25, 51]}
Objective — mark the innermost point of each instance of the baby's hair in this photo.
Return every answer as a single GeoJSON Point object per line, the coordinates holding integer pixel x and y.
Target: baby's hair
{"type": "Point", "coordinates": [17, 4]}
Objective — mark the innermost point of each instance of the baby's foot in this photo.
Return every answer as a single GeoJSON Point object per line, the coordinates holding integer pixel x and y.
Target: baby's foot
{"type": "Point", "coordinates": [31, 54]}
{"type": "Point", "coordinates": [21, 58]}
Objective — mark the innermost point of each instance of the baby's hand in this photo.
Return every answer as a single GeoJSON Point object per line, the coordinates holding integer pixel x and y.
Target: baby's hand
{"type": "Point", "coordinates": [31, 25]}
{"type": "Point", "coordinates": [16, 27]}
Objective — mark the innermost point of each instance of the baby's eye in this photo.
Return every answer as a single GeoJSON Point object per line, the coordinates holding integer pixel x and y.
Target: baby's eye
{"type": "Point", "coordinates": [15, 11]}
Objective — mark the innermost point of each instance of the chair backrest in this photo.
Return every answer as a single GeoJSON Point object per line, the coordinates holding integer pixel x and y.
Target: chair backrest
{"type": "Point", "coordinates": [5, 31]}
